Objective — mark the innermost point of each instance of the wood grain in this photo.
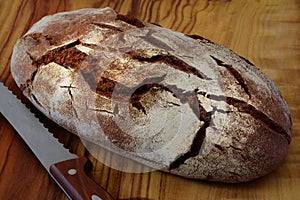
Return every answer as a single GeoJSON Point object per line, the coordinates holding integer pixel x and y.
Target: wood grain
{"type": "Point", "coordinates": [72, 176]}
{"type": "Point", "coordinates": [265, 32]}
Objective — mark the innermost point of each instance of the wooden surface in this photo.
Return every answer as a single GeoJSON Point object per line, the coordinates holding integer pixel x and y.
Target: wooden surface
{"type": "Point", "coordinates": [266, 32]}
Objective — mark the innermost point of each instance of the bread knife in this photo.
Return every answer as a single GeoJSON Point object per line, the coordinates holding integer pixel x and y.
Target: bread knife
{"type": "Point", "coordinates": [66, 168]}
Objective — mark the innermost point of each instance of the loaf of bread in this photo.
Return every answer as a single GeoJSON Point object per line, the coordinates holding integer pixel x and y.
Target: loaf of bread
{"type": "Point", "coordinates": [175, 102]}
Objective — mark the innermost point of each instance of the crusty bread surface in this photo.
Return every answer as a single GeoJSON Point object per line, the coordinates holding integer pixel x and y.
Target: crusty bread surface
{"type": "Point", "coordinates": [175, 102]}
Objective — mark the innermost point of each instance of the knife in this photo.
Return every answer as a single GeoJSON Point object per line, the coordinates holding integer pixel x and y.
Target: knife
{"type": "Point", "coordinates": [67, 169]}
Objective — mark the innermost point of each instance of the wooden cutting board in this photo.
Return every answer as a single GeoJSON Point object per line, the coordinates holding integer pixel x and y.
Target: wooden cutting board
{"type": "Point", "coordinates": [265, 32]}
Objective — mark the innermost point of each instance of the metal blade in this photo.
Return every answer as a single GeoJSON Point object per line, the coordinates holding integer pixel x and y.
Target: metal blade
{"type": "Point", "coordinates": [46, 148]}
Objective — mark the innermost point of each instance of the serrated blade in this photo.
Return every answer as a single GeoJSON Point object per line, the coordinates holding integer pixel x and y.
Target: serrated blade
{"type": "Point", "coordinates": [46, 148]}
{"type": "Point", "coordinates": [65, 168]}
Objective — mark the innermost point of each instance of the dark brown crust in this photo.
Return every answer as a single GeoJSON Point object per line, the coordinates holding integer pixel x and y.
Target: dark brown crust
{"type": "Point", "coordinates": [68, 56]}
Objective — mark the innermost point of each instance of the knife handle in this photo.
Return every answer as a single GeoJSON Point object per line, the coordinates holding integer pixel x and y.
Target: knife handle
{"type": "Point", "coordinates": [71, 177]}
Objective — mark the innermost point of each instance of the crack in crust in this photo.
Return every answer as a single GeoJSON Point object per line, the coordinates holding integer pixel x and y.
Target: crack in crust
{"type": "Point", "coordinates": [205, 116]}
{"type": "Point", "coordinates": [246, 60]}
{"type": "Point", "coordinates": [131, 20]}
{"type": "Point", "coordinates": [107, 26]}
{"type": "Point", "coordinates": [107, 86]}
{"type": "Point", "coordinates": [36, 100]}
{"type": "Point", "coordinates": [197, 141]}
{"type": "Point", "coordinates": [234, 73]}
{"type": "Point", "coordinates": [244, 107]}
{"type": "Point", "coordinates": [168, 59]}
{"type": "Point", "coordinates": [147, 85]}
{"type": "Point", "coordinates": [67, 56]}
{"type": "Point", "coordinates": [69, 87]}
{"type": "Point", "coordinates": [198, 37]}
{"type": "Point", "coordinates": [29, 81]}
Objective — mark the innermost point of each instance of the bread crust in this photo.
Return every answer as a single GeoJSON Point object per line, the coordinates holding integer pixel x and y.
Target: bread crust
{"type": "Point", "coordinates": [178, 103]}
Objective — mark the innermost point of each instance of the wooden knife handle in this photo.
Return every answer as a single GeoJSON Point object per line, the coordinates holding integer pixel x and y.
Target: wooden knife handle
{"type": "Point", "coordinates": [71, 177]}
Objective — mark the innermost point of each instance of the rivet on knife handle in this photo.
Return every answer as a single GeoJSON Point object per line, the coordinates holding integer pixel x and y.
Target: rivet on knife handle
{"type": "Point", "coordinates": [72, 177]}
